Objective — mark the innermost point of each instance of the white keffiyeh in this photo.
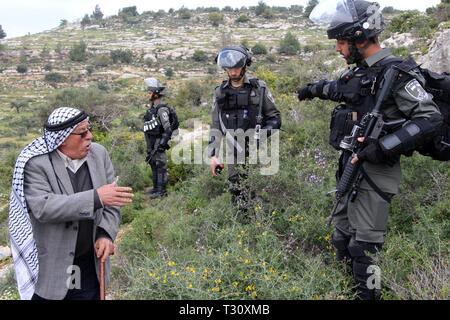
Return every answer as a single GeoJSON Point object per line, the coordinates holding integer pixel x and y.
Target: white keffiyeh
{"type": "Point", "coordinates": [23, 246]}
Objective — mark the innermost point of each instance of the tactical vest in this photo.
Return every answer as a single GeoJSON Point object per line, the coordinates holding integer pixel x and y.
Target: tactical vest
{"type": "Point", "coordinates": [152, 124]}
{"type": "Point", "coordinates": [359, 88]}
{"type": "Point", "coordinates": [238, 108]}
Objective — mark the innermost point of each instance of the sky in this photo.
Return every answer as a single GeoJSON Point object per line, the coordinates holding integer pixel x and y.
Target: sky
{"type": "Point", "coordinates": [20, 17]}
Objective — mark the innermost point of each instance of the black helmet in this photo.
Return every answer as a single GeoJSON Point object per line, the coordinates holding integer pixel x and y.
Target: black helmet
{"type": "Point", "coordinates": [234, 57]}
{"type": "Point", "coordinates": [154, 85]}
{"type": "Point", "coordinates": [354, 20]}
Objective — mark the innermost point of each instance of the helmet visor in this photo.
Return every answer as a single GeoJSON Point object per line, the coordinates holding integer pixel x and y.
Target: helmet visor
{"type": "Point", "coordinates": [231, 59]}
{"type": "Point", "coordinates": [334, 12]}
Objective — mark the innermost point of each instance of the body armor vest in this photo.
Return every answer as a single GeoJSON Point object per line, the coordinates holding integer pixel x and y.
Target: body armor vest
{"type": "Point", "coordinates": [152, 124]}
{"type": "Point", "coordinates": [358, 87]}
{"type": "Point", "coordinates": [238, 108]}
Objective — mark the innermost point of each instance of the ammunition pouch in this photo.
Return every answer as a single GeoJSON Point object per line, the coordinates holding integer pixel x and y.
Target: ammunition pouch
{"type": "Point", "coordinates": [341, 125]}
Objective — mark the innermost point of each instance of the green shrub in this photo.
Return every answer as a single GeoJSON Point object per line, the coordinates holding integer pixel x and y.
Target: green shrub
{"type": "Point", "coordinates": [129, 11]}
{"type": "Point", "coordinates": [22, 68]}
{"type": "Point", "coordinates": [184, 13]}
{"type": "Point", "coordinates": [401, 52]}
{"type": "Point", "coordinates": [85, 21]}
{"type": "Point", "coordinates": [289, 45]}
{"type": "Point", "coordinates": [90, 69]}
{"type": "Point", "coordinates": [260, 8]}
{"type": "Point", "coordinates": [78, 52]}
{"type": "Point", "coordinates": [215, 18]}
{"type": "Point", "coordinates": [413, 21]}
{"type": "Point", "coordinates": [442, 11]}
{"type": "Point", "coordinates": [169, 73]}
{"type": "Point", "coordinates": [243, 18]}
{"type": "Point", "coordinates": [101, 60]}
{"type": "Point", "coordinates": [200, 56]}
{"type": "Point", "coordinates": [102, 107]}
{"type": "Point", "coordinates": [122, 56]}
{"type": "Point", "coordinates": [191, 93]}
{"type": "Point", "coordinates": [268, 14]}
{"type": "Point", "coordinates": [54, 77]}
{"type": "Point", "coordinates": [259, 48]}
{"type": "Point", "coordinates": [20, 105]}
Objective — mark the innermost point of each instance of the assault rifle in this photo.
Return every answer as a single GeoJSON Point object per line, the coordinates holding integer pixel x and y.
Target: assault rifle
{"type": "Point", "coordinates": [370, 126]}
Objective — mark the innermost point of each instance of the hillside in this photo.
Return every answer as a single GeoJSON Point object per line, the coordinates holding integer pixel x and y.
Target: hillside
{"type": "Point", "coordinates": [192, 245]}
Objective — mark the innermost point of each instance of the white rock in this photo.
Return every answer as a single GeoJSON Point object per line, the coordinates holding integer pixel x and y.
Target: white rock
{"type": "Point", "coordinates": [399, 40]}
{"type": "Point", "coordinates": [129, 76]}
{"type": "Point", "coordinates": [438, 58]}
{"type": "Point", "coordinates": [5, 253]}
{"type": "Point", "coordinates": [151, 57]}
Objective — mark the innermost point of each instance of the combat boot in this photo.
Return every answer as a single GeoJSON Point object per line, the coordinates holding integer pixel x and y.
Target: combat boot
{"type": "Point", "coordinates": [160, 190]}
{"type": "Point", "coordinates": [155, 181]}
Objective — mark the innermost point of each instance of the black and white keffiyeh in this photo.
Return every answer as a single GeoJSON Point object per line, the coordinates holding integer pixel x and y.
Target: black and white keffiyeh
{"type": "Point", "coordinates": [23, 246]}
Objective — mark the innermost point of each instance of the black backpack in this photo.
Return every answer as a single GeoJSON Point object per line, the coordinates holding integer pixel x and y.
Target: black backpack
{"type": "Point", "coordinates": [439, 86]}
{"type": "Point", "coordinates": [173, 118]}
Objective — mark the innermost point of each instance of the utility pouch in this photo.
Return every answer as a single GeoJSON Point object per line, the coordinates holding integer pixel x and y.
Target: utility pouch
{"type": "Point", "coordinates": [341, 125]}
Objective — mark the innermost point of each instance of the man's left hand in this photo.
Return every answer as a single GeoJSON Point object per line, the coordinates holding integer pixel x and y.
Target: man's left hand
{"type": "Point", "coordinates": [104, 248]}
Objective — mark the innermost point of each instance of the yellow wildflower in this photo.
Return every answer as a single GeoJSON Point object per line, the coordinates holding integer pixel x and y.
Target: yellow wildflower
{"type": "Point", "coordinates": [171, 264]}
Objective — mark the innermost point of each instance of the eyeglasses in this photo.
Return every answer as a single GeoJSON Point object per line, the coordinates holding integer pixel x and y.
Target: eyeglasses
{"type": "Point", "coordinates": [84, 133]}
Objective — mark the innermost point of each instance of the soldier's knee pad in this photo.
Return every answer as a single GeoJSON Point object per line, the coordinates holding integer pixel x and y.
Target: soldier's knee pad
{"type": "Point", "coordinates": [359, 250]}
{"type": "Point", "coordinates": [160, 164]}
{"type": "Point", "coordinates": [340, 240]}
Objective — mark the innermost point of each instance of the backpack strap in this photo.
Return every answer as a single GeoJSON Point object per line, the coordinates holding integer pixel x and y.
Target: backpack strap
{"type": "Point", "coordinates": [407, 66]}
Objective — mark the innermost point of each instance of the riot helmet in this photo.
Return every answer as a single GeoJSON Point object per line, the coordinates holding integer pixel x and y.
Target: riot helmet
{"type": "Point", "coordinates": [353, 20]}
{"type": "Point", "coordinates": [154, 85]}
{"type": "Point", "coordinates": [234, 57]}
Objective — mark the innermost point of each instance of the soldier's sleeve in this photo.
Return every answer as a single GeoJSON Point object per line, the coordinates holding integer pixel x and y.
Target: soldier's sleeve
{"type": "Point", "coordinates": [215, 132]}
{"type": "Point", "coordinates": [163, 114]}
{"type": "Point", "coordinates": [421, 112]}
{"type": "Point", "coordinates": [330, 91]}
{"type": "Point", "coordinates": [412, 99]}
{"type": "Point", "coordinates": [272, 116]}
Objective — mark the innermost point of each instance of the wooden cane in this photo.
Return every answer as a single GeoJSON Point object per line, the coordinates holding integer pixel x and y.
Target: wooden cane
{"type": "Point", "coordinates": [102, 280]}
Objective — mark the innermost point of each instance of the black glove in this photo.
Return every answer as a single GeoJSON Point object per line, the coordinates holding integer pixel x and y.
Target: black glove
{"type": "Point", "coordinates": [148, 158]}
{"type": "Point", "coordinates": [311, 90]}
{"type": "Point", "coordinates": [373, 153]}
{"type": "Point", "coordinates": [305, 93]}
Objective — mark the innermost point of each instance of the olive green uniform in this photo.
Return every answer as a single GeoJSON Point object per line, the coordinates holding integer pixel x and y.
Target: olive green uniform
{"type": "Point", "coordinates": [366, 217]}
{"type": "Point", "coordinates": [238, 108]}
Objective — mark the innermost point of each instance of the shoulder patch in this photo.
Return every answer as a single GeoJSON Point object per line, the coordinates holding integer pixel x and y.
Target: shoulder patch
{"type": "Point", "coordinates": [165, 116]}
{"type": "Point", "coordinates": [415, 90]}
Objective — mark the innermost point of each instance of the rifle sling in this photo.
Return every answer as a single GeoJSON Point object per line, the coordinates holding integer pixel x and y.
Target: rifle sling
{"type": "Point", "coordinates": [380, 192]}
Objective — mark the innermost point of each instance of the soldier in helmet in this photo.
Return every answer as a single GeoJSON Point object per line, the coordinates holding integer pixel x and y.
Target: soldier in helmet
{"type": "Point", "coordinates": [360, 222]}
{"type": "Point", "coordinates": [240, 102]}
{"type": "Point", "coordinates": [158, 131]}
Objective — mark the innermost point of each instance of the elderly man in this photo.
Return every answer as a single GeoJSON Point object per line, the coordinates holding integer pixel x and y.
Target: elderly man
{"type": "Point", "coordinates": [64, 211]}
